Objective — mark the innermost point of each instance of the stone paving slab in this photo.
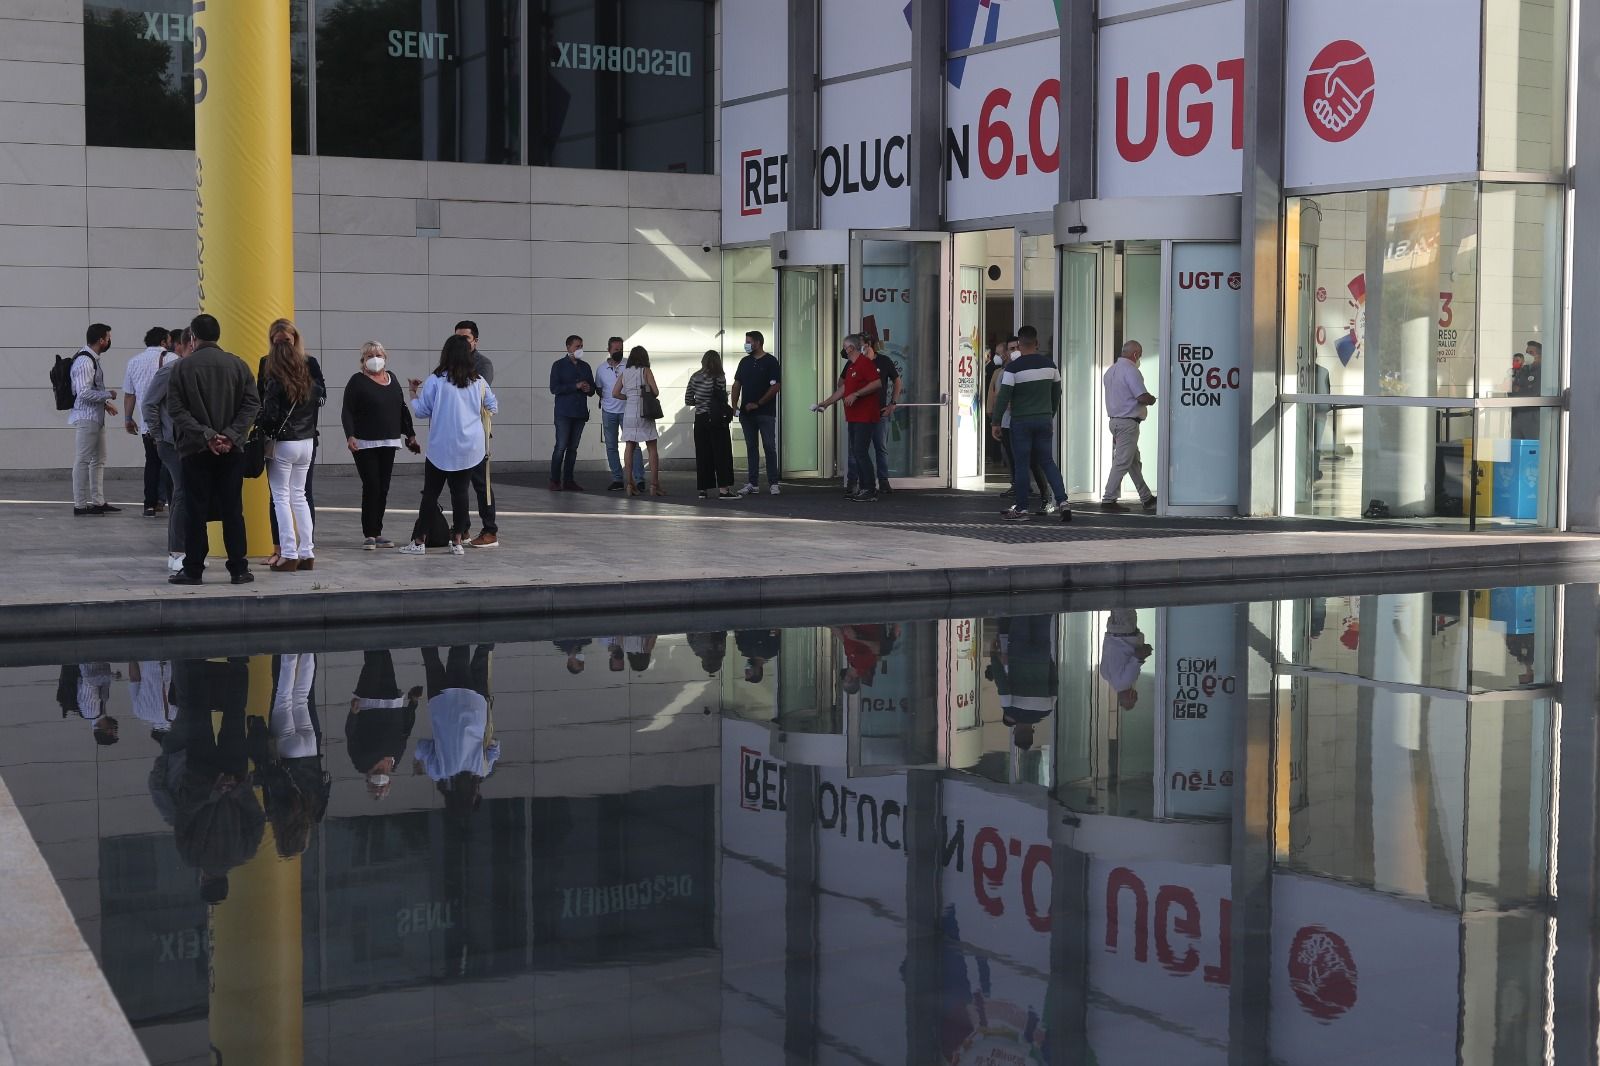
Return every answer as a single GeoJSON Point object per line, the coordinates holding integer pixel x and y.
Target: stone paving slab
{"type": "Point", "coordinates": [55, 1005]}
{"type": "Point", "coordinates": [600, 554]}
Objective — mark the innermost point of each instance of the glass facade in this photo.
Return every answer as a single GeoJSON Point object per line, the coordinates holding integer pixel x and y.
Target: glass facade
{"type": "Point", "coordinates": [1431, 318]}
{"type": "Point", "coordinates": [612, 84]}
{"type": "Point", "coordinates": [139, 73]}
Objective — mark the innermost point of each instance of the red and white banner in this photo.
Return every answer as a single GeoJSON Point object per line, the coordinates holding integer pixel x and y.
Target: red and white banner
{"type": "Point", "coordinates": [755, 170]}
{"type": "Point", "coordinates": [1003, 139]}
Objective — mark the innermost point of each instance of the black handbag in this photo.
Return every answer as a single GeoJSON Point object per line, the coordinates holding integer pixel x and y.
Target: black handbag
{"type": "Point", "coordinates": [649, 403]}
{"type": "Point", "coordinates": [255, 453]}
{"type": "Point", "coordinates": [720, 405]}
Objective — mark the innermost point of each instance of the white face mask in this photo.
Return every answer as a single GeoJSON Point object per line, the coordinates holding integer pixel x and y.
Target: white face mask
{"type": "Point", "coordinates": [749, 348]}
{"type": "Point", "coordinates": [375, 364]}
{"type": "Point", "coordinates": [999, 360]}
{"type": "Point", "coordinates": [577, 353]}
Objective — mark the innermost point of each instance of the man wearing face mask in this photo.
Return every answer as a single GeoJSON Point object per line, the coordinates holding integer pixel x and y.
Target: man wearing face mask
{"type": "Point", "coordinates": [572, 383]}
{"type": "Point", "coordinates": [611, 412]}
{"type": "Point", "coordinates": [489, 536]}
{"type": "Point", "coordinates": [755, 397]}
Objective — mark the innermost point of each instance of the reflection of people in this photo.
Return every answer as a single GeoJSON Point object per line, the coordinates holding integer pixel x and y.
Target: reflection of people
{"type": "Point", "coordinates": [616, 659]}
{"type": "Point", "coordinates": [573, 649]}
{"type": "Point", "coordinates": [711, 648]}
{"type": "Point", "coordinates": [218, 823]}
{"type": "Point", "coordinates": [639, 650]}
{"type": "Point", "coordinates": [380, 721]}
{"type": "Point", "coordinates": [757, 646]}
{"type": "Point", "coordinates": [1022, 665]}
{"type": "Point", "coordinates": [1521, 646]}
{"type": "Point", "coordinates": [294, 785]}
{"type": "Point", "coordinates": [93, 697]}
{"type": "Point", "coordinates": [462, 751]}
{"type": "Point", "coordinates": [1122, 656]}
{"type": "Point", "coordinates": [149, 691]}
{"type": "Point", "coordinates": [865, 646]}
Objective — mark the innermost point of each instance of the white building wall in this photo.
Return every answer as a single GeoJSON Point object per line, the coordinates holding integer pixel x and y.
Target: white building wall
{"type": "Point", "coordinates": [532, 254]}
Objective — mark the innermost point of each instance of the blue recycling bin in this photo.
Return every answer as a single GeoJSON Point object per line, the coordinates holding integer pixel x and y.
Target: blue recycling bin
{"type": "Point", "coordinates": [1515, 490]}
{"type": "Point", "coordinates": [1513, 608]}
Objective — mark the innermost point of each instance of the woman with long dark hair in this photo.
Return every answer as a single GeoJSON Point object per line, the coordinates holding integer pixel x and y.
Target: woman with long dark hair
{"type": "Point", "coordinates": [453, 401]}
{"type": "Point", "coordinates": [290, 399]}
{"type": "Point", "coordinates": [634, 382]}
{"type": "Point", "coordinates": [707, 393]}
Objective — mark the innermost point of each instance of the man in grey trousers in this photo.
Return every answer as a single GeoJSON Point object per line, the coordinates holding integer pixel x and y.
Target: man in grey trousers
{"type": "Point", "coordinates": [1127, 403]}
{"type": "Point", "coordinates": [91, 402]}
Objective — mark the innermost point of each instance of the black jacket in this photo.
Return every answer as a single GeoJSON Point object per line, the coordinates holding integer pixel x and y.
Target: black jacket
{"type": "Point", "coordinates": [297, 421]}
{"type": "Point", "coordinates": [211, 392]}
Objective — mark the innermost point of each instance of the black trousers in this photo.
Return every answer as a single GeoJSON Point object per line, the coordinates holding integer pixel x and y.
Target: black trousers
{"type": "Point", "coordinates": [377, 681]}
{"type": "Point", "coordinates": [713, 453]}
{"type": "Point", "coordinates": [1033, 464]}
{"type": "Point", "coordinates": [157, 482]}
{"type": "Point", "coordinates": [376, 467]}
{"type": "Point", "coordinates": [311, 497]}
{"type": "Point", "coordinates": [460, 481]}
{"type": "Point", "coordinates": [214, 484]}
{"type": "Point", "coordinates": [481, 488]}
{"type": "Point", "coordinates": [464, 668]}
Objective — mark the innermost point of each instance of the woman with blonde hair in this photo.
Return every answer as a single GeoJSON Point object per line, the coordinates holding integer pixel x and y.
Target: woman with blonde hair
{"type": "Point", "coordinates": [377, 422]}
{"type": "Point", "coordinates": [290, 399]}
{"type": "Point", "coordinates": [707, 393]}
{"type": "Point", "coordinates": [635, 385]}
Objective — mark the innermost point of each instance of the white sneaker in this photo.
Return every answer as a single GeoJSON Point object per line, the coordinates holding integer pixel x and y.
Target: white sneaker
{"type": "Point", "coordinates": [749, 489]}
{"type": "Point", "coordinates": [413, 549]}
{"type": "Point", "coordinates": [174, 563]}
{"type": "Point", "coordinates": [773, 489]}
{"type": "Point", "coordinates": [458, 549]}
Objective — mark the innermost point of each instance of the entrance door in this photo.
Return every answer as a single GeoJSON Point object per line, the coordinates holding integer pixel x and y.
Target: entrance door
{"type": "Point", "coordinates": [808, 313]}
{"type": "Point", "coordinates": [899, 294]}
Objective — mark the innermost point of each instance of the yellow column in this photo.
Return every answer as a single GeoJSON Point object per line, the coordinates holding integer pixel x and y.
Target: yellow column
{"type": "Point", "coordinates": [244, 202]}
{"type": "Point", "coordinates": [257, 974]}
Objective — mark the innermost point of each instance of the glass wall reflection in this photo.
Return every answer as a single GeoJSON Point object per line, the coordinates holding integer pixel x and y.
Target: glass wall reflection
{"type": "Point", "coordinates": [992, 838]}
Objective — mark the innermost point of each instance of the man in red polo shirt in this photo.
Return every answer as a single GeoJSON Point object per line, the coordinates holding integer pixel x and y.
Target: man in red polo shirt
{"type": "Point", "coordinates": [862, 395]}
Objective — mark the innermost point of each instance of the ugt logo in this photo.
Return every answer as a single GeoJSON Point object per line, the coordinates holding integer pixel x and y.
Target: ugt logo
{"type": "Point", "coordinates": [1340, 89]}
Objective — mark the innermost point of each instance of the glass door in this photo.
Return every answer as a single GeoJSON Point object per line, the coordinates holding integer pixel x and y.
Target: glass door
{"type": "Point", "coordinates": [807, 321]}
{"type": "Point", "coordinates": [899, 294]}
{"type": "Point", "coordinates": [1082, 325]}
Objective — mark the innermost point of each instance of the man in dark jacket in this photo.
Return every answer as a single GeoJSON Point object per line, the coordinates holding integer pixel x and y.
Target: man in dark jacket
{"type": "Point", "coordinates": [213, 403]}
{"type": "Point", "coordinates": [571, 383]}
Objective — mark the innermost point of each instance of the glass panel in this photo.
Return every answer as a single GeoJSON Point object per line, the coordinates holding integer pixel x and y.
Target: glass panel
{"type": "Point", "coordinates": [1519, 309]}
{"type": "Point", "coordinates": [747, 299]}
{"type": "Point", "coordinates": [141, 91]}
{"type": "Point", "coordinates": [900, 288]}
{"type": "Point", "coordinates": [1080, 324]}
{"type": "Point", "coordinates": [1393, 273]}
{"type": "Point", "coordinates": [419, 79]}
{"type": "Point", "coordinates": [621, 85]}
{"type": "Point", "coordinates": [800, 301]}
{"type": "Point", "coordinates": [1525, 85]}
{"type": "Point", "coordinates": [1516, 456]}
{"type": "Point", "coordinates": [1039, 289]}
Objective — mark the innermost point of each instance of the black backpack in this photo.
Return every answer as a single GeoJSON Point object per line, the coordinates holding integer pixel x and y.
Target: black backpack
{"type": "Point", "coordinates": [432, 528]}
{"type": "Point", "coordinates": [61, 383]}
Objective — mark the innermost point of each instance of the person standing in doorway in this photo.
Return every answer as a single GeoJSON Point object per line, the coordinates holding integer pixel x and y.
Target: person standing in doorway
{"type": "Point", "coordinates": [571, 383]}
{"type": "Point", "coordinates": [135, 383]}
{"type": "Point", "coordinates": [756, 382]}
{"type": "Point", "coordinates": [1008, 353]}
{"type": "Point", "coordinates": [1030, 390]}
{"type": "Point", "coordinates": [91, 402]}
{"type": "Point", "coordinates": [889, 377]}
{"type": "Point", "coordinates": [861, 392]}
{"type": "Point", "coordinates": [611, 412]}
{"type": "Point", "coordinates": [482, 484]}
{"type": "Point", "coordinates": [377, 423]}
{"type": "Point", "coordinates": [153, 403]}
{"type": "Point", "coordinates": [452, 401]}
{"type": "Point", "coordinates": [213, 403]}
{"type": "Point", "coordinates": [1127, 404]}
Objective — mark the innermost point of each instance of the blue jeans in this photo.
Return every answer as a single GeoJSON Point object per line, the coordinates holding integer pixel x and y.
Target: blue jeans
{"type": "Point", "coordinates": [767, 428]}
{"type": "Point", "coordinates": [880, 448]}
{"type": "Point", "coordinates": [861, 454]}
{"type": "Point", "coordinates": [1031, 438]}
{"type": "Point", "coordinates": [611, 429]}
{"type": "Point", "coordinates": [568, 432]}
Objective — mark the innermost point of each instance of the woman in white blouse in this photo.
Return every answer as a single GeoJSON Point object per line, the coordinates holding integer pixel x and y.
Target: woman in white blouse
{"type": "Point", "coordinates": [631, 386]}
{"type": "Point", "coordinates": [453, 401]}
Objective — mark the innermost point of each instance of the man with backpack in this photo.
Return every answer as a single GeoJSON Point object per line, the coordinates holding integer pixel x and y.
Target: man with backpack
{"type": "Point", "coordinates": [91, 402]}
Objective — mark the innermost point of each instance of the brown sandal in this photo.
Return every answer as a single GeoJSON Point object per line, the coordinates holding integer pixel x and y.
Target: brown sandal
{"type": "Point", "coordinates": [285, 566]}
{"type": "Point", "coordinates": [307, 564]}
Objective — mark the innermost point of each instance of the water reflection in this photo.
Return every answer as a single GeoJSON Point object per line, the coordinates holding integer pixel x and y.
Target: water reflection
{"type": "Point", "coordinates": [989, 840]}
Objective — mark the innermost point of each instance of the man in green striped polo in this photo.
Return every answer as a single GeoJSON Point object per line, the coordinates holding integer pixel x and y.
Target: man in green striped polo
{"type": "Point", "coordinates": [1030, 388]}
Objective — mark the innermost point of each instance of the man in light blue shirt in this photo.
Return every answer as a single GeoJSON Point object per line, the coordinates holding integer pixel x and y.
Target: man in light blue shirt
{"type": "Point", "coordinates": [1127, 403]}
{"type": "Point", "coordinates": [611, 410]}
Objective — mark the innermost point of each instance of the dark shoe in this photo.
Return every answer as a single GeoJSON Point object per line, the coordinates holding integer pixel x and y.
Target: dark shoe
{"type": "Point", "coordinates": [641, 488]}
{"type": "Point", "coordinates": [161, 508]}
{"type": "Point", "coordinates": [241, 579]}
{"type": "Point", "coordinates": [1150, 504]}
{"type": "Point", "coordinates": [284, 566]}
{"type": "Point", "coordinates": [849, 490]}
{"type": "Point", "coordinates": [183, 577]}
{"type": "Point", "coordinates": [864, 496]}
{"type": "Point", "coordinates": [884, 489]}
{"type": "Point", "coordinates": [1016, 514]}
{"type": "Point", "coordinates": [555, 486]}
{"type": "Point", "coordinates": [106, 508]}
{"type": "Point", "coordinates": [1376, 509]}
{"type": "Point", "coordinates": [615, 486]}
{"type": "Point", "coordinates": [87, 512]}
{"type": "Point", "coordinates": [1066, 514]}
{"type": "Point", "coordinates": [571, 486]}
{"type": "Point", "coordinates": [149, 512]}
{"type": "Point", "coordinates": [308, 564]}
{"type": "Point", "coordinates": [1112, 507]}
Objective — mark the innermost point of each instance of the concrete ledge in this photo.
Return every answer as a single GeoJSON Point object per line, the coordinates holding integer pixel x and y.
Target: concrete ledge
{"type": "Point", "coordinates": [55, 1005]}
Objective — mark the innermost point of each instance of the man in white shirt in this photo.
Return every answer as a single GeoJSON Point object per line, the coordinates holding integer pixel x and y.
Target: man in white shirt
{"type": "Point", "coordinates": [135, 383]}
{"type": "Point", "coordinates": [1123, 652]}
{"type": "Point", "coordinates": [1127, 403]}
{"type": "Point", "coordinates": [91, 402]}
{"type": "Point", "coordinates": [611, 411]}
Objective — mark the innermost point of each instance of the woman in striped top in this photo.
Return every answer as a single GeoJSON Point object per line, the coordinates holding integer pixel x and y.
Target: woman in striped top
{"type": "Point", "coordinates": [707, 393]}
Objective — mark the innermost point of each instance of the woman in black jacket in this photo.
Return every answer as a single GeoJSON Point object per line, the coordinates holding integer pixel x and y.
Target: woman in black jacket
{"type": "Point", "coordinates": [290, 399]}
{"type": "Point", "coordinates": [377, 421]}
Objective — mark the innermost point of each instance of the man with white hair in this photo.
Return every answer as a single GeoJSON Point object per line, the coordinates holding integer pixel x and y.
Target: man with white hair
{"type": "Point", "coordinates": [1127, 404]}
